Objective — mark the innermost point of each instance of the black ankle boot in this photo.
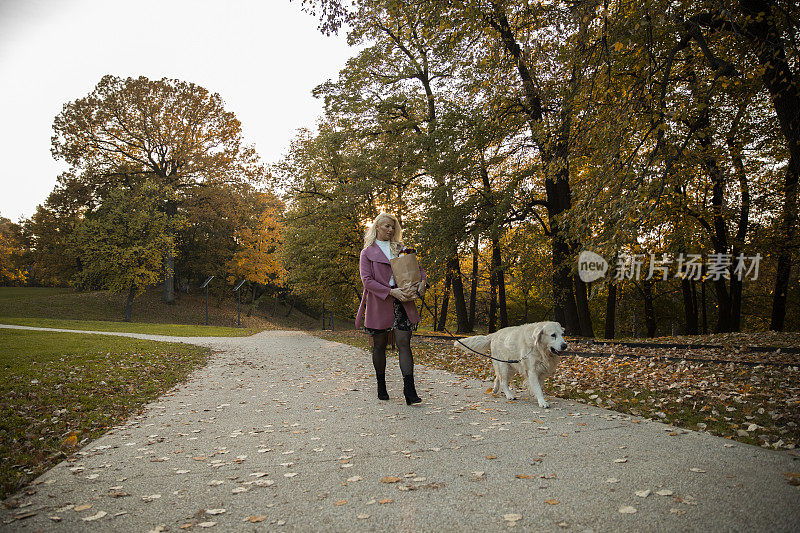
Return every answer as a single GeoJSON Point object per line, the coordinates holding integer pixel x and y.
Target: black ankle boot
{"type": "Point", "coordinates": [382, 394]}
{"type": "Point", "coordinates": [409, 391]}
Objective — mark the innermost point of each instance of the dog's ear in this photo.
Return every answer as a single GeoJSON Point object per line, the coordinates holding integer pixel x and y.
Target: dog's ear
{"type": "Point", "coordinates": [538, 333]}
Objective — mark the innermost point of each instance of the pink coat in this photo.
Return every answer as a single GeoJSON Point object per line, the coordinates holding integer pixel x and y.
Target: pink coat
{"type": "Point", "coordinates": [376, 271]}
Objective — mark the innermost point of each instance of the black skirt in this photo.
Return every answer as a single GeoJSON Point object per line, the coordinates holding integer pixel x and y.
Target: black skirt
{"type": "Point", "coordinates": [401, 320]}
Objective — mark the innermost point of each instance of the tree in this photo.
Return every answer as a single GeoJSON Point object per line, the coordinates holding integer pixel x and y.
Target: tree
{"type": "Point", "coordinates": [123, 242]}
{"type": "Point", "coordinates": [10, 253]}
{"type": "Point", "coordinates": [175, 133]}
{"type": "Point", "coordinates": [258, 237]}
{"type": "Point", "coordinates": [334, 186]}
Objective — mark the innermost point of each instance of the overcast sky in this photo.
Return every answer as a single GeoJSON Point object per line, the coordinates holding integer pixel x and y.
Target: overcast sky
{"type": "Point", "coordinates": [262, 56]}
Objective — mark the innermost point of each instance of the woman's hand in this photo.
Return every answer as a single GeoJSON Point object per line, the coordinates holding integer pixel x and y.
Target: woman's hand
{"type": "Point", "coordinates": [399, 294]}
{"type": "Point", "coordinates": [421, 288]}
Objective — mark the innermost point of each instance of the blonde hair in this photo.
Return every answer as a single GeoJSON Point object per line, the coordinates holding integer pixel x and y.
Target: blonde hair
{"type": "Point", "coordinates": [372, 232]}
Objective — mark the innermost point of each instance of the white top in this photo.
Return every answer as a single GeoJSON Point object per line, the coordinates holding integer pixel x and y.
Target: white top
{"type": "Point", "coordinates": [387, 251]}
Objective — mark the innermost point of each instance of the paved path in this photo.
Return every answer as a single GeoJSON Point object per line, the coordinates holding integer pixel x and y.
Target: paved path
{"type": "Point", "coordinates": [283, 428]}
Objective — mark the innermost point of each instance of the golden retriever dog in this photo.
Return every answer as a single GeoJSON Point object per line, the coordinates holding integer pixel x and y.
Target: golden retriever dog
{"type": "Point", "coordinates": [537, 346]}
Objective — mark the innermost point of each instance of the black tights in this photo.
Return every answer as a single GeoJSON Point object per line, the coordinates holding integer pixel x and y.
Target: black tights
{"type": "Point", "coordinates": [403, 340]}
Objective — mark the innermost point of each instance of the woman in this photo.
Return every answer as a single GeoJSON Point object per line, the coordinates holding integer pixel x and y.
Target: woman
{"type": "Point", "coordinates": [388, 307]}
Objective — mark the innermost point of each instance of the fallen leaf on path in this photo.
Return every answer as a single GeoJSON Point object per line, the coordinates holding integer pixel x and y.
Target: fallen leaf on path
{"type": "Point", "coordinates": [98, 516]}
{"type": "Point", "coordinates": [627, 509]}
{"type": "Point", "coordinates": [643, 493]}
{"type": "Point", "coordinates": [215, 511]}
{"type": "Point", "coordinates": [256, 518]}
{"type": "Point", "coordinates": [551, 502]}
{"type": "Point", "coordinates": [664, 492]}
{"type": "Point", "coordinates": [207, 524]}
{"type": "Point", "coordinates": [340, 502]}
{"type": "Point", "coordinates": [363, 516]}
{"type": "Point", "coordinates": [512, 517]}
{"type": "Point", "coordinates": [385, 500]}
{"type": "Point", "coordinates": [698, 470]}
{"type": "Point", "coordinates": [390, 479]}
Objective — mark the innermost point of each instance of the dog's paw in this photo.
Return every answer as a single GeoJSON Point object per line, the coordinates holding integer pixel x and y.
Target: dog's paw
{"type": "Point", "coordinates": [543, 404]}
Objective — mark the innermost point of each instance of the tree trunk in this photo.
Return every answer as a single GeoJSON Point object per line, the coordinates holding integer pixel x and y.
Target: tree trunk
{"type": "Point", "coordinates": [473, 293]}
{"type": "Point", "coordinates": [689, 306]}
{"type": "Point", "coordinates": [703, 306]}
{"type": "Point", "coordinates": [492, 302]}
{"type": "Point", "coordinates": [582, 305]}
{"type": "Point", "coordinates": [718, 229]}
{"type": "Point", "coordinates": [448, 280]}
{"type": "Point", "coordinates": [566, 311]}
{"type": "Point", "coordinates": [129, 304]}
{"type": "Point", "coordinates": [458, 296]}
{"type": "Point", "coordinates": [769, 46]}
{"type": "Point", "coordinates": [611, 310]}
{"type": "Point", "coordinates": [499, 282]}
{"type": "Point", "coordinates": [169, 278]}
{"type": "Point", "coordinates": [501, 298]}
{"type": "Point", "coordinates": [649, 309]}
{"type": "Point", "coordinates": [556, 164]}
{"type": "Point", "coordinates": [435, 310]}
{"type": "Point", "coordinates": [735, 149]}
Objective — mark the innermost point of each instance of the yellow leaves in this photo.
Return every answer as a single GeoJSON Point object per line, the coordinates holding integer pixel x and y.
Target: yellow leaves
{"type": "Point", "coordinates": [8, 271]}
{"type": "Point", "coordinates": [257, 259]}
{"type": "Point", "coordinates": [390, 479]}
{"type": "Point", "coordinates": [618, 46]}
{"type": "Point", "coordinates": [71, 441]}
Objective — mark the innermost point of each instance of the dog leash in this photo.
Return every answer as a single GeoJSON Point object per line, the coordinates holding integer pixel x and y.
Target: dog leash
{"type": "Point", "coordinates": [461, 343]}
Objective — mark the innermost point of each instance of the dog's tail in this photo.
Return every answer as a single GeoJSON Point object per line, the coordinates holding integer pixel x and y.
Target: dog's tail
{"type": "Point", "coordinates": [479, 343]}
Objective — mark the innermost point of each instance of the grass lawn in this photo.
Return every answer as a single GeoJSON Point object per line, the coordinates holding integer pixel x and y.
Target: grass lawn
{"type": "Point", "coordinates": [103, 311]}
{"type": "Point", "coordinates": [13, 293]}
{"type": "Point", "coordinates": [178, 330]}
{"type": "Point", "coordinates": [60, 390]}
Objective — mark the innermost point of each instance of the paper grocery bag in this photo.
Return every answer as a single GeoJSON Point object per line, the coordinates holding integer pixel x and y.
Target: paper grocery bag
{"type": "Point", "coordinates": [406, 270]}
